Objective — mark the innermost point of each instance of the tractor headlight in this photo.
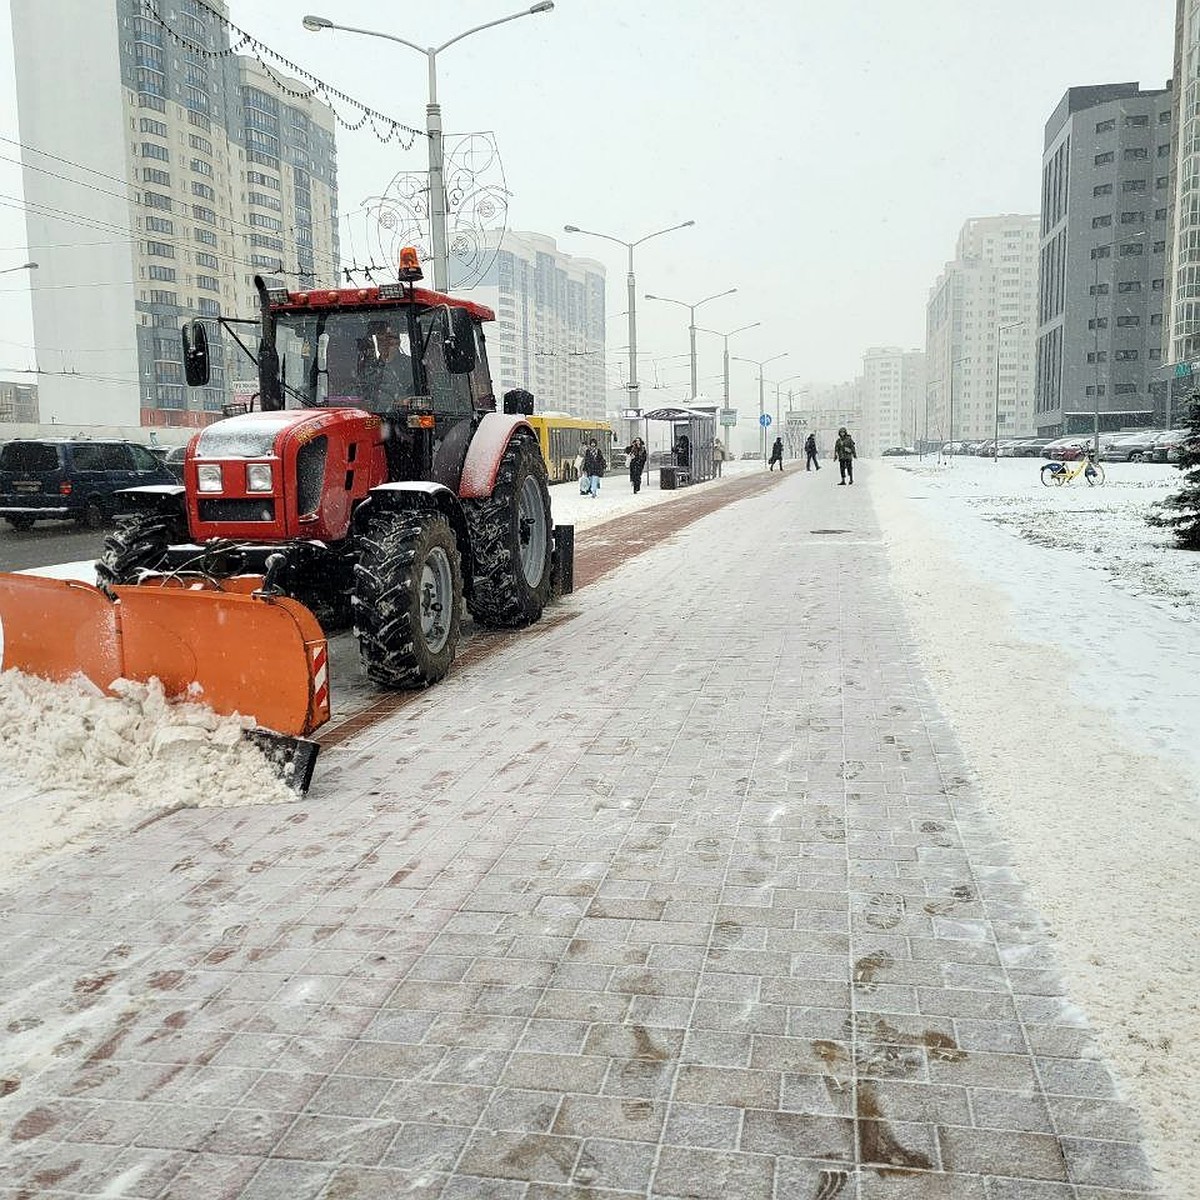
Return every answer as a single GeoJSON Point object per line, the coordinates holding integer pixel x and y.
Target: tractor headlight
{"type": "Point", "coordinates": [208, 477]}
{"type": "Point", "coordinates": [258, 477]}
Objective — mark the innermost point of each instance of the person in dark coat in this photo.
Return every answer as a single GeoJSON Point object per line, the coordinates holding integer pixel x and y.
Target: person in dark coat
{"type": "Point", "coordinates": [844, 452]}
{"type": "Point", "coordinates": [594, 466]}
{"type": "Point", "coordinates": [637, 463]}
{"type": "Point", "coordinates": [810, 453]}
{"type": "Point", "coordinates": [776, 455]}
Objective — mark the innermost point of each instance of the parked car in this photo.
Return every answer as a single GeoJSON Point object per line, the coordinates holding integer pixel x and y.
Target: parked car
{"type": "Point", "coordinates": [173, 461]}
{"type": "Point", "coordinates": [1066, 449]}
{"type": "Point", "coordinates": [1167, 441]}
{"type": "Point", "coordinates": [1031, 447]}
{"type": "Point", "coordinates": [1007, 448]}
{"type": "Point", "coordinates": [898, 452]}
{"type": "Point", "coordinates": [1127, 447]}
{"type": "Point", "coordinates": [61, 479]}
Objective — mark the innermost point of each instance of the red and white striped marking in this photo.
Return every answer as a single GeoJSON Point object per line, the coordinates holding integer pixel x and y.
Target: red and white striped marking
{"type": "Point", "coordinates": [319, 660]}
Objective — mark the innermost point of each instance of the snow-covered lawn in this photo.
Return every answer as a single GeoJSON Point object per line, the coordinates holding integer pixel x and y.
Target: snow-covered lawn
{"type": "Point", "coordinates": [1060, 637]}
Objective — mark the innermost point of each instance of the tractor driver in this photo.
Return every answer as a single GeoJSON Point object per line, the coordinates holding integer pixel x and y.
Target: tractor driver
{"type": "Point", "coordinates": [385, 370]}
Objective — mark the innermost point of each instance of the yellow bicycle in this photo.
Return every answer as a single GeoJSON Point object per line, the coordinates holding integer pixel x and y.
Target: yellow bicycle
{"type": "Point", "coordinates": [1059, 473]}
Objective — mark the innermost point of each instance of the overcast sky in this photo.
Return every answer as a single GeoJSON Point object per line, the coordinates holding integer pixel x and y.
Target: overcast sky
{"type": "Point", "coordinates": [827, 151]}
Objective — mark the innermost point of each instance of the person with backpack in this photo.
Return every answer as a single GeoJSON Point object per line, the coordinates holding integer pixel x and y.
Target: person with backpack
{"type": "Point", "coordinates": [810, 453]}
{"type": "Point", "coordinates": [776, 455]}
{"type": "Point", "coordinates": [844, 452]}
{"type": "Point", "coordinates": [594, 466]}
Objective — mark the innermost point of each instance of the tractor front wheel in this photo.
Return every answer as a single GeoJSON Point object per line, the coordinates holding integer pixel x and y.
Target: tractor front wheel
{"type": "Point", "coordinates": [511, 535]}
{"type": "Point", "coordinates": [406, 600]}
{"type": "Point", "coordinates": [137, 545]}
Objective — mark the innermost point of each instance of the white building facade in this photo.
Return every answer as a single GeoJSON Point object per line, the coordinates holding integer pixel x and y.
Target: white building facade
{"type": "Point", "coordinates": [893, 396]}
{"type": "Point", "coordinates": [158, 182]}
{"type": "Point", "coordinates": [981, 324]}
{"type": "Point", "coordinates": [549, 331]}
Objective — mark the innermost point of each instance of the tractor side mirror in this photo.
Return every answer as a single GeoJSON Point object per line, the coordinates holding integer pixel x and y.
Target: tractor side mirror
{"type": "Point", "coordinates": [323, 353]}
{"type": "Point", "coordinates": [458, 339]}
{"type": "Point", "coordinates": [195, 354]}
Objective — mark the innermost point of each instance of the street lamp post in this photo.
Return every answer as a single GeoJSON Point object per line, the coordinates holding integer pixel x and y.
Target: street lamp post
{"type": "Point", "coordinates": [950, 418]}
{"type": "Point", "coordinates": [631, 282]}
{"type": "Point", "coordinates": [1000, 329]}
{"type": "Point", "coordinates": [29, 266]}
{"type": "Point", "coordinates": [692, 322]}
{"type": "Point", "coordinates": [762, 429]}
{"type": "Point", "coordinates": [433, 125]}
{"type": "Point", "coordinates": [726, 337]}
{"type": "Point", "coordinates": [778, 413]}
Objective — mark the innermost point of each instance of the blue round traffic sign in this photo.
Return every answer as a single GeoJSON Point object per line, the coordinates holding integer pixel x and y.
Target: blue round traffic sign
{"type": "Point", "coordinates": [764, 420]}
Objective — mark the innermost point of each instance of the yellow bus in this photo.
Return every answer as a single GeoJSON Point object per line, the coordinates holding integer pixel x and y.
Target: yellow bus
{"type": "Point", "coordinates": [562, 439]}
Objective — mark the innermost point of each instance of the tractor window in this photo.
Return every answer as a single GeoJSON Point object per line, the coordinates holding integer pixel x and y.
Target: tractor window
{"type": "Point", "coordinates": [451, 393]}
{"type": "Point", "coordinates": [482, 395]}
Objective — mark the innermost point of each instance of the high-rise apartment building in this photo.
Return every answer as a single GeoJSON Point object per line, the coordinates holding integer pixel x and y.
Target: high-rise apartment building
{"type": "Point", "coordinates": [158, 182]}
{"type": "Point", "coordinates": [893, 396]}
{"type": "Point", "coordinates": [1182, 305]}
{"type": "Point", "coordinates": [18, 402]}
{"type": "Point", "coordinates": [1105, 173]}
{"type": "Point", "coordinates": [980, 330]}
{"type": "Point", "coordinates": [549, 330]}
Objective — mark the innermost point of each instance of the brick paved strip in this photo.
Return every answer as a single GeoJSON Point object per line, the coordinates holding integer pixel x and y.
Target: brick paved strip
{"type": "Point", "coordinates": [599, 550]}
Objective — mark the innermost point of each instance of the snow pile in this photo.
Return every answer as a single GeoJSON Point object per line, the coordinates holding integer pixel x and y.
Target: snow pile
{"type": "Point", "coordinates": [1073, 687]}
{"type": "Point", "coordinates": [75, 763]}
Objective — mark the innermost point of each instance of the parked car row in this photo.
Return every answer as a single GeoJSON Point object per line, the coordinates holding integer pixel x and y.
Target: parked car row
{"type": "Point", "coordinates": [1147, 445]}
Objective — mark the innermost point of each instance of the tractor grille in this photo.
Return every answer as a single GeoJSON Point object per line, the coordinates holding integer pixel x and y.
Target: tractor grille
{"type": "Point", "coordinates": [237, 510]}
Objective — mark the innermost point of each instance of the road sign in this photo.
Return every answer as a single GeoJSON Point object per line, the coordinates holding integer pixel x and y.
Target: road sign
{"type": "Point", "coordinates": [1182, 370]}
{"type": "Point", "coordinates": [764, 420]}
{"type": "Point", "coordinates": [729, 416]}
{"type": "Point", "coordinates": [244, 388]}
{"type": "Point", "coordinates": [631, 414]}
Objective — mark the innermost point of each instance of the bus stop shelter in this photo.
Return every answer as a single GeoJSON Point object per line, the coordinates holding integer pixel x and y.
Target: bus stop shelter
{"type": "Point", "coordinates": [692, 434]}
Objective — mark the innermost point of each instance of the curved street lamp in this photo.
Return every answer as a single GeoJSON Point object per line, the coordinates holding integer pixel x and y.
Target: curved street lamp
{"type": "Point", "coordinates": [433, 124]}
{"type": "Point", "coordinates": [29, 266]}
{"type": "Point", "coordinates": [762, 429]}
{"type": "Point", "coordinates": [632, 285]}
{"type": "Point", "coordinates": [692, 323]}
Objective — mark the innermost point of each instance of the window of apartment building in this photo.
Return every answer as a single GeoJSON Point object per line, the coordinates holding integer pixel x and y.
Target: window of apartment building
{"type": "Point", "coordinates": [1094, 391]}
{"type": "Point", "coordinates": [261, 241]}
{"type": "Point", "coordinates": [1098, 289]}
{"type": "Point", "coordinates": [1126, 356]}
{"type": "Point", "coordinates": [1128, 320]}
{"type": "Point", "coordinates": [157, 103]}
{"type": "Point", "coordinates": [265, 261]}
{"type": "Point", "coordinates": [1129, 285]}
{"type": "Point", "coordinates": [1132, 248]}
{"type": "Point", "coordinates": [1102, 189]}
{"type": "Point", "coordinates": [1125, 389]}
{"type": "Point", "coordinates": [1134, 153]}
{"type": "Point", "coordinates": [150, 125]}
{"type": "Point", "coordinates": [158, 296]}
{"type": "Point", "coordinates": [208, 283]}
{"type": "Point", "coordinates": [271, 202]}
{"type": "Point", "coordinates": [196, 99]}
{"type": "Point", "coordinates": [199, 120]}
{"type": "Point", "coordinates": [168, 372]}
{"type": "Point", "coordinates": [206, 236]}
{"type": "Point", "coordinates": [1101, 159]}
{"type": "Point", "coordinates": [1101, 252]}
{"type": "Point", "coordinates": [1156, 318]}
{"type": "Point", "coordinates": [1159, 248]}
{"type": "Point", "coordinates": [263, 160]}
{"type": "Point", "coordinates": [257, 177]}
{"type": "Point", "coordinates": [154, 175]}
{"type": "Point", "coordinates": [1134, 185]}
{"type": "Point", "coordinates": [166, 274]}
{"type": "Point", "coordinates": [1101, 222]}
{"type": "Point", "coordinates": [1155, 355]}
{"type": "Point", "coordinates": [202, 190]}
{"type": "Point", "coordinates": [201, 167]}
{"type": "Point", "coordinates": [200, 213]}
{"type": "Point", "coordinates": [204, 259]}
{"type": "Point", "coordinates": [156, 200]}
{"type": "Point", "coordinates": [1164, 118]}
{"type": "Point", "coordinates": [1137, 121]}
{"type": "Point", "coordinates": [154, 150]}
{"type": "Point", "coordinates": [208, 308]}
{"type": "Point", "coordinates": [1098, 323]}
{"type": "Point", "coordinates": [200, 143]}
{"type": "Point", "coordinates": [1132, 218]}
{"type": "Point", "coordinates": [160, 249]}
{"type": "Point", "coordinates": [1160, 214]}
{"type": "Point", "coordinates": [1105, 126]}
{"type": "Point", "coordinates": [1164, 151]}
{"type": "Point", "coordinates": [159, 225]}
{"type": "Point", "coordinates": [1101, 357]}
{"type": "Point", "coordinates": [1159, 182]}
{"type": "Point", "coordinates": [265, 222]}
{"type": "Point", "coordinates": [1156, 285]}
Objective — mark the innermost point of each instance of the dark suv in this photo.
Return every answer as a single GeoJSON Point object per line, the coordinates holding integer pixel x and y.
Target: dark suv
{"type": "Point", "coordinates": [60, 479]}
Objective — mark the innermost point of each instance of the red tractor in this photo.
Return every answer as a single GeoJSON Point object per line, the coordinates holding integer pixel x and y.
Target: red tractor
{"type": "Point", "coordinates": [375, 482]}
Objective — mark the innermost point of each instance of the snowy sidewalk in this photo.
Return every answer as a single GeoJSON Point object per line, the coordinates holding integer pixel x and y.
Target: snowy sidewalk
{"type": "Point", "coordinates": [685, 895]}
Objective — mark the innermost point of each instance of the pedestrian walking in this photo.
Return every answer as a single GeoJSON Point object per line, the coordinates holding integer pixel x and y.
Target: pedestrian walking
{"type": "Point", "coordinates": [718, 456]}
{"type": "Point", "coordinates": [844, 452]}
{"type": "Point", "coordinates": [594, 466]}
{"type": "Point", "coordinates": [776, 455]}
{"type": "Point", "coordinates": [810, 453]}
{"type": "Point", "coordinates": [636, 450]}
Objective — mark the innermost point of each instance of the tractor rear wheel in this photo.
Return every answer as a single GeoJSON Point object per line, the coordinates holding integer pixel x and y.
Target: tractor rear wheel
{"type": "Point", "coordinates": [406, 600]}
{"type": "Point", "coordinates": [137, 545]}
{"type": "Point", "coordinates": [511, 535]}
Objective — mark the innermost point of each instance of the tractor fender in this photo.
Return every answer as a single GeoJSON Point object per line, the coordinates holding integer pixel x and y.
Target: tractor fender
{"type": "Point", "coordinates": [153, 498]}
{"type": "Point", "coordinates": [416, 494]}
{"type": "Point", "coordinates": [487, 448]}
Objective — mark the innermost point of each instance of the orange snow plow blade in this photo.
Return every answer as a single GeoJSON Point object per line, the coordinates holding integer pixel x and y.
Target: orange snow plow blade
{"type": "Point", "coordinates": [262, 657]}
